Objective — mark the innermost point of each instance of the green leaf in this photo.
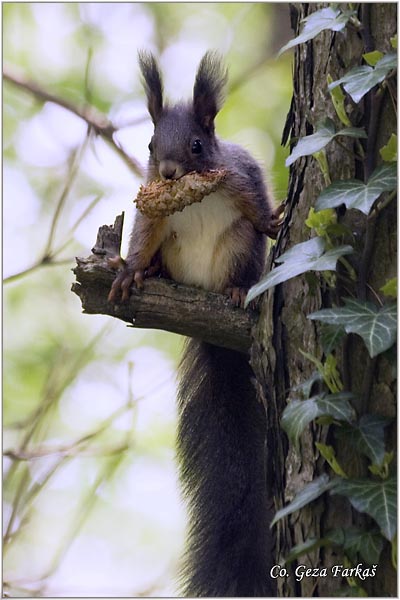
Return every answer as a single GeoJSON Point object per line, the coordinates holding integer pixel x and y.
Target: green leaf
{"type": "Point", "coordinates": [354, 541]}
{"type": "Point", "coordinates": [306, 256]}
{"type": "Point", "coordinates": [299, 413]}
{"type": "Point", "coordinates": [330, 337]}
{"type": "Point", "coordinates": [304, 389]}
{"type": "Point", "coordinates": [322, 161]}
{"type": "Point", "coordinates": [359, 80]}
{"type": "Point", "coordinates": [369, 544]}
{"type": "Point", "coordinates": [331, 374]}
{"type": "Point", "coordinates": [370, 436]}
{"type": "Point", "coordinates": [382, 470]}
{"type": "Point", "coordinates": [328, 370]}
{"type": "Point", "coordinates": [376, 326]}
{"type": "Point", "coordinates": [296, 416]}
{"type": "Point", "coordinates": [394, 552]}
{"type": "Point", "coordinates": [326, 18]}
{"type": "Point", "coordinates": [367, 436]}
{"type": "Point", "coordinates": [393, 41]}
{"type": "Point", "coordinates": [311, 491]}
{"type": "Point", "coordinates": [325, 133]}
{"type": "Point", "coordinates": [376, 498]}
{"type": "Point", "coordinates": [320, 221]}
{"type": "Point", "coordinates": [337, 406]}
{"type": "Point", "coordinates": [356, 194]}
{"type": "Point", "coordinates": [390, 288]}
{"type": "Point", "coordinates": [329, 454]}
{"type": "Point", "coordinates": [372, 57]}
{"type": "Point", "coordinates": [303, 548]}
{"type": "Point", "coordinates": [389, 152]}
{"type": "Point", "coordinates": [338, 99]}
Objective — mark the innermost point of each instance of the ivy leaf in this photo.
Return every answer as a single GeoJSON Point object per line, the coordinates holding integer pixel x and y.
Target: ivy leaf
{"type": "Point", "coordinates": [331, 336]}
{"type": "Point", "coordinates": [338, 99]}
{"type": "Point", "coordinates": [382, 470]}
{"type": "Point", "coordinates": [299, 413]}
{"type": "Point", "coordinates": [329, 454]}
{"type": "Point", "coordinates": [325, 132]}
{"type": "Point", "coordinates": [376, 326]}
{"type": "Point", "coordinates": [372, 57]}
{"type": "Point", "coordinates": [303, 548]}
{"type": "Point", "coordinates": [337, 406]}
{"type": "Point", "coordinates": [306, 256]}
{"type": "Point", "coordinates": [327, 18]}
{"type": "Point", "coordinates": [356, 194]}
{"type": "Point", "coordinates": [368, 436]}
{"type": "Point", "coordinates": [390, 288]}
{"type": "Point", "coordinates": [354, 540]}
{"type": "Point", "coordinates": [296, 416]}
{"type": "Point", "coordinates": [304, 389]}
{"type": "Point", "coordinates": [369, 544]}
{"type": "Point", "coordinates": [389, 152]}
{"type": "Point", "coordinates": [320, 221]}
{"type": "Point", "coordinates": [328, 370]}
{"type": "Point", "coordinates": [376, 498]}
{"type": "Point", "coordinates": [311, 491]}
{"type": "Point", "coordinates": [359, 80]}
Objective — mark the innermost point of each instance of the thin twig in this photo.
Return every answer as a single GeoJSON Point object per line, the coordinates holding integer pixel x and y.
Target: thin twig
{"type": "Point", "coordinates": [40, 263]}
{"type": "Point", "coordinates": [76, 225]}
{"type": "Point", "coordinates": [96, 120]}
{"type": "Point", "coordinates": [48, 253]}
{"type": "Point", "coordinates": [76, 158]}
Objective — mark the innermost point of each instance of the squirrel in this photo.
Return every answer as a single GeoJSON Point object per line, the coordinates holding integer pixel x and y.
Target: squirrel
{"type": "Point", "coordinates": [218, 244]}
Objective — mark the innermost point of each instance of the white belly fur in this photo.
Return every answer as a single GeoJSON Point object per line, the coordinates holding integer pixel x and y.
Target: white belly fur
{"type": "Point", "coordinates": [189, 251]}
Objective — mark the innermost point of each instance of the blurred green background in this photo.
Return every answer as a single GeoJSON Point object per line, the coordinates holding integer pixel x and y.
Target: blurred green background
{"type": "Point", "coordinates": [91, 500]}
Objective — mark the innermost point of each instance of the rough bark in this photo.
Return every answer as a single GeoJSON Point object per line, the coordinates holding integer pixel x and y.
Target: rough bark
{"type": "Point", "coordinates": [162, 304]}
{"type": "Point", "coordinates": [283, 328]}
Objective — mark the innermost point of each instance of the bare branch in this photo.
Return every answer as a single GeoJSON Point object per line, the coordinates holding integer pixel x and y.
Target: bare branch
{"type": "Point", "coordinates": [43, 262]}
{"type": "Point", "coordinates": [162, 304]}
{"type": "Point", "coordinates": [96, 120]}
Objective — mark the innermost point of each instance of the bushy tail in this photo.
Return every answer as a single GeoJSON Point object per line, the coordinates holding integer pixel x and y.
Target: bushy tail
{"type": "Point", "coordinates": [221, 451]}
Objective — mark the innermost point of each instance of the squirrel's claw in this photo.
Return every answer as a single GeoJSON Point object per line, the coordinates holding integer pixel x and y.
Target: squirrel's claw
{"type": "Point", "coordinates": [121, 283]}
{"type": "Point", "coordinates": [129, 276]}
{"type": "Point", "coordinates": [276, 222]}
{"type": "Point", "coordinates": [237, 295]}
{"type": "Point", "coordinates": [124, 280]}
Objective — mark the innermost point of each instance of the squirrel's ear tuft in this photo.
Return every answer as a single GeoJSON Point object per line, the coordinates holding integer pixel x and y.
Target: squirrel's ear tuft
{"type": "Point", "coordinates": [208, 91]}
{"type": "Point", "coordinates": [152, 82]}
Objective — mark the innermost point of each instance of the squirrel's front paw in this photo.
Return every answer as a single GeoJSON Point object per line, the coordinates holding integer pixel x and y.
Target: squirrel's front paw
{"type": "Point", "coordinates": [275, 222]}
{"type": "Point", "coordinates": [237, 295]}
{"type": "Point", "coordinates": [130, 275]}
{"type": "Point", "coordinates": [124, 280]}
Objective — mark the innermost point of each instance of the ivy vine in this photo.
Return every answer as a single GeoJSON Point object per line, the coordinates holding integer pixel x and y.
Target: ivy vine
{"type": "Point", "coordinates": [375, 322]}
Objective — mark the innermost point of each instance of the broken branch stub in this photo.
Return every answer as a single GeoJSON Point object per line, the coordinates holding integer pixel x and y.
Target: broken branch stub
{"type": "Point", "coordinates": [161, 304]}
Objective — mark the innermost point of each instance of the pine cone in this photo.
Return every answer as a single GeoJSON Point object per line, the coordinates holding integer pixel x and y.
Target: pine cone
{"type": "Point", "coordinates": [162, 198]}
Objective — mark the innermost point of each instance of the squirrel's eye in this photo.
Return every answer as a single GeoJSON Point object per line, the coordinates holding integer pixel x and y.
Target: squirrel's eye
{"type": "Point", "coordinates": [151, 147]}
{"type": "Point", "coordinates": [196, 147]}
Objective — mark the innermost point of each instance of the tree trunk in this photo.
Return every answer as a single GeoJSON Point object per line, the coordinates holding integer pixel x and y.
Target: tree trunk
{"type": "Point", "coordinates": [284, 329]}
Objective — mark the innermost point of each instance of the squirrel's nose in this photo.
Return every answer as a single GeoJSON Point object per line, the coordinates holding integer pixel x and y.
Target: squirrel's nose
{"type": "Point", "coordinates": [169, 169]}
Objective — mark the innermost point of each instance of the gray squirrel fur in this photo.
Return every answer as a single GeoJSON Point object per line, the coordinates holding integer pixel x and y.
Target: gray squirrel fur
{"type": "Point", "coordinates": [219, 245]}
